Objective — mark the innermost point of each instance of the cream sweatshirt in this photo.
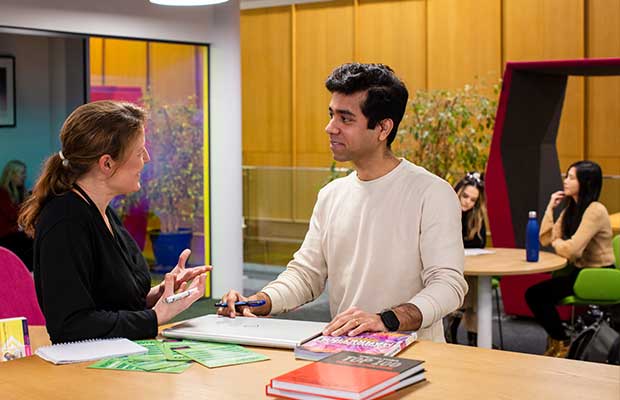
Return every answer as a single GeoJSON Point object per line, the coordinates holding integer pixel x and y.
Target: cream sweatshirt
{"type": "Point", "coordinates": [381, 243]}
{"type": "Point", "coordinates": [590, 246]}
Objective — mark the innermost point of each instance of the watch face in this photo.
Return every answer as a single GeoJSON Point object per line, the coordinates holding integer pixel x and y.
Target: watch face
{"type": "Point", "coordinates": [390, 320]}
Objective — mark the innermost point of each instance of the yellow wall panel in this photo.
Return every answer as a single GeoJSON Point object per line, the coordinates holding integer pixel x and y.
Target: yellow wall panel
{"type": "Point", "coordinates": [266, 83]}
{"type": "Point", "coordinates": [124, 63]}
{"type": "Point", "coordinates": [393, 32]}
{"type": "Point", "coordinates": [547, 30]}
{"type": "Point", "coordinates": [603, 93]}
{"type": "Point", "coordinates": [323, 40]}
{"type": "Point", "coordinates": [463, 42]}
{"type": "Point", "coordinates": [95, 48]}
{"type": "Point", "coordinates": [168, 63]}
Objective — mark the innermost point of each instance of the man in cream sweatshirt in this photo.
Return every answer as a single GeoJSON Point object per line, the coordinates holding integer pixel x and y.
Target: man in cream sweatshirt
{"type": "Point", "coordinates": [387, 236]}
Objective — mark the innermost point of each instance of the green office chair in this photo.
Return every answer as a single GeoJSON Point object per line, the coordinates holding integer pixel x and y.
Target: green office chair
{"type": "Point", "coordinates": [596, 286]}
{"type": "Point", "coordinates": [615, 243]}
{"type": "Point", "coordinates": [599, 286]}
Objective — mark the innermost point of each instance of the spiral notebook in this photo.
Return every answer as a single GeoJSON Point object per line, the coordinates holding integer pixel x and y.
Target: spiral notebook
{"type": "Point", "coordinates": [89, 350]}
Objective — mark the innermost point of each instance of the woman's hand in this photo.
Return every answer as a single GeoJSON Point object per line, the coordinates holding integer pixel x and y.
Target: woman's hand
{"type": "Point", "coordinates": [181, 275]}
{"type": "Point", "coordinates": [556, 198]}
{"type": "Point", "coordinates": [166, 311]}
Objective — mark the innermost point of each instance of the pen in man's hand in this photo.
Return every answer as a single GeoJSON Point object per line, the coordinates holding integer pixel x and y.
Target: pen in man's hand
{"type": "Point", "coordinates": [249, 303]}
{"type": "Point", "coordinates": [180, 295]}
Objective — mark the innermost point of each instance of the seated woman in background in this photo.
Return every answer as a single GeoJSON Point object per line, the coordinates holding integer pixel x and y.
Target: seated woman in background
{"type": "Point", "coordinates": [90, 277]}
{"type": "Point", "coordinates": [12, 195]}
{"type": "Point", "coordinates": [582, 234]}
{"type": "Point", "coordinates": [470, 191]}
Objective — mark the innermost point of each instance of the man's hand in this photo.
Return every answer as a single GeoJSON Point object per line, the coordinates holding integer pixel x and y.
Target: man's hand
{"type": "Point", "coordinates": [233, 296]}
{"type": "Point", "coordinates": [354, 321]}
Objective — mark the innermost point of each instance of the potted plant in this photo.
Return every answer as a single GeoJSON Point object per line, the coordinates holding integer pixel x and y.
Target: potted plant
{"type": "Point", "coordinates": [449, 132]}
{"type": "Point", "coordinates": [174, 178]}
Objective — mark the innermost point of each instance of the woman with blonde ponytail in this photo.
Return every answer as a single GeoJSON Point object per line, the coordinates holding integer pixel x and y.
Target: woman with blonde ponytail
{"type": "Point", "coordinates": [90, 277]}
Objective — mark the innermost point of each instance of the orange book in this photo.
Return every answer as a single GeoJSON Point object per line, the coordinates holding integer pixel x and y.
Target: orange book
{"type": "Point", "coordinates": [345, 375]}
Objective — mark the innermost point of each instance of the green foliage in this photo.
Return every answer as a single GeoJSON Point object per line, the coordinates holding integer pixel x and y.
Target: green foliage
{"type": "Point", "coordinates": [124, 203]}
{"type": "Point", "coordinates": [336, 172]}
{"type": "Point", "coordinates": [449, 133]}
{"type": "Point", "coordinates": [174, 181]}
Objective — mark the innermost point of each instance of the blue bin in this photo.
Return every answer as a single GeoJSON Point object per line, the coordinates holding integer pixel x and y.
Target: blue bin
{"type": "Point", "coordinates": [167, 246]}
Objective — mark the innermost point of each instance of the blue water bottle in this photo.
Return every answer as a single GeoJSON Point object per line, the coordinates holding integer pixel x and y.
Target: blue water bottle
{"type": "Point", "coordinates": [532, 245]}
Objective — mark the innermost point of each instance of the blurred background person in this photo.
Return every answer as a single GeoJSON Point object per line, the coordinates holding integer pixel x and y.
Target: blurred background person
{"type": "Point", "coordinates": [470, 191]}
{"type": "Point", "coordinates": [12, 195]}
{"type": "Point", "coordinates": [581, 234]}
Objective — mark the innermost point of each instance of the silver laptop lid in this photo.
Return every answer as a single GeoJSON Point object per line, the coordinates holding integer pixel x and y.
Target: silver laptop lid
{"type": "Point", "coordinates": [265, 332]}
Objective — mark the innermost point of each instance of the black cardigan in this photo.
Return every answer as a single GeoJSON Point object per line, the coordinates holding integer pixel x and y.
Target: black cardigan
{"type": "Point", "coordinates": [477, 242]}
{"type": "Point", "coordinates": [89, 283]}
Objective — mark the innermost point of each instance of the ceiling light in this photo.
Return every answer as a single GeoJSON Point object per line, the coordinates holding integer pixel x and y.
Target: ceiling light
{"type": "Point", "coordinates": [186, 2]}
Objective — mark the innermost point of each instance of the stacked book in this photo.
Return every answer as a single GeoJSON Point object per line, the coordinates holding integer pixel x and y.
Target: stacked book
{"type": "Point", "coordinates": [14, 339]}
{"type": "Point", "coordinates": [347, 375]}
{"type": "Point", "coordinates": [375, 343]}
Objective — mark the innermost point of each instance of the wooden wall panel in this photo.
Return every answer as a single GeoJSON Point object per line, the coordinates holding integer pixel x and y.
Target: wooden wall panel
{"type": "Point", "coordinates": [547, 30]}
{"type": "Point", "coordinates": [463, 42]}
{"type": "Point", "coordinates": [172, 71]}
{"type": "Point", "coordinates": [393, 32]}
{"type": "Point", "coordinates": [125, 63]}
{"type": "Point", "coordinates": [271, 193]}
{"type": "Point", "coordinates": [603, 94]}
{"type": "Point", "coordinates": [95, 48]}
{"type": "Point", "coordinates": [323, 40]}
{"type": "Point", "coordinates": [603, 98]}
{"type": "Point", "coordinates": [266, 82]}
{"type": "Point", "coordinates": [307, 184]}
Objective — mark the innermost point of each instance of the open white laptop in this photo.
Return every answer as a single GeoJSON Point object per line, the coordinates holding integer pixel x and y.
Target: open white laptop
{"type": "Point", "coordinates": [265, 332]}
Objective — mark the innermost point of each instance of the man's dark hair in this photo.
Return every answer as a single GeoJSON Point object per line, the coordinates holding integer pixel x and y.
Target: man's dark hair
{"type": "Point", "coordinates": [386, 94]}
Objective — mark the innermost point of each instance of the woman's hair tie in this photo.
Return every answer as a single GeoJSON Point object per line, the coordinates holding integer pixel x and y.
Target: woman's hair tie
{"type": "Point", "coordinates": [65, 161]}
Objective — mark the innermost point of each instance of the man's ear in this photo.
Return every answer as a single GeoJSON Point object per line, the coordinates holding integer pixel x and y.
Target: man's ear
{"type": "Point", "coordinates": [385, 127]}
{"type": "Point", "coordinates": [106, 164]}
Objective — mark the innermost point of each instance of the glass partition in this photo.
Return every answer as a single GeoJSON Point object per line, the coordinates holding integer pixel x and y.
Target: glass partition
{"type": "Point", "coordinates": [170, 81]}
{"type": "Point", "coordinates": [277, 206]}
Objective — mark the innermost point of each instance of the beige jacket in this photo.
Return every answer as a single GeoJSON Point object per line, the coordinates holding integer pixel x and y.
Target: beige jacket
{"type": "Point", "coordinates": [590, 246]}
{"type": "Point", "coordinates": [381, 243]}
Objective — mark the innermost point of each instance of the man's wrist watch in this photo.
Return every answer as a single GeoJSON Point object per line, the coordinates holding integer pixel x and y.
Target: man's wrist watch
{"type": "Point", "coordinates": [390, 320]}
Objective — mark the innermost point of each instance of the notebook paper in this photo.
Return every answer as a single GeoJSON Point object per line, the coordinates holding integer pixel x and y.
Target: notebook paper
{"type": "Point", "coordinates": [477, 252]}
{"type": "Point", "coordinates": [89, 350]}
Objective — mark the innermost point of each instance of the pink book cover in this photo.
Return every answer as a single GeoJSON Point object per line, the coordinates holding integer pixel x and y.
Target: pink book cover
{"type": "Point", "coordinates": [376, 343]}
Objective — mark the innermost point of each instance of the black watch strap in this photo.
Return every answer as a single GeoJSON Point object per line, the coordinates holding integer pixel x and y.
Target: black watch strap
{"type": "Point", "coordinates": [390, 320]}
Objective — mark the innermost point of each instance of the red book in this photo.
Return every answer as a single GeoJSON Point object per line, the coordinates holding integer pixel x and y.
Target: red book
{"type": "Point", "coordinates": [287, 394]}
{"type": "Point", "coordinates": [346, 375]}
